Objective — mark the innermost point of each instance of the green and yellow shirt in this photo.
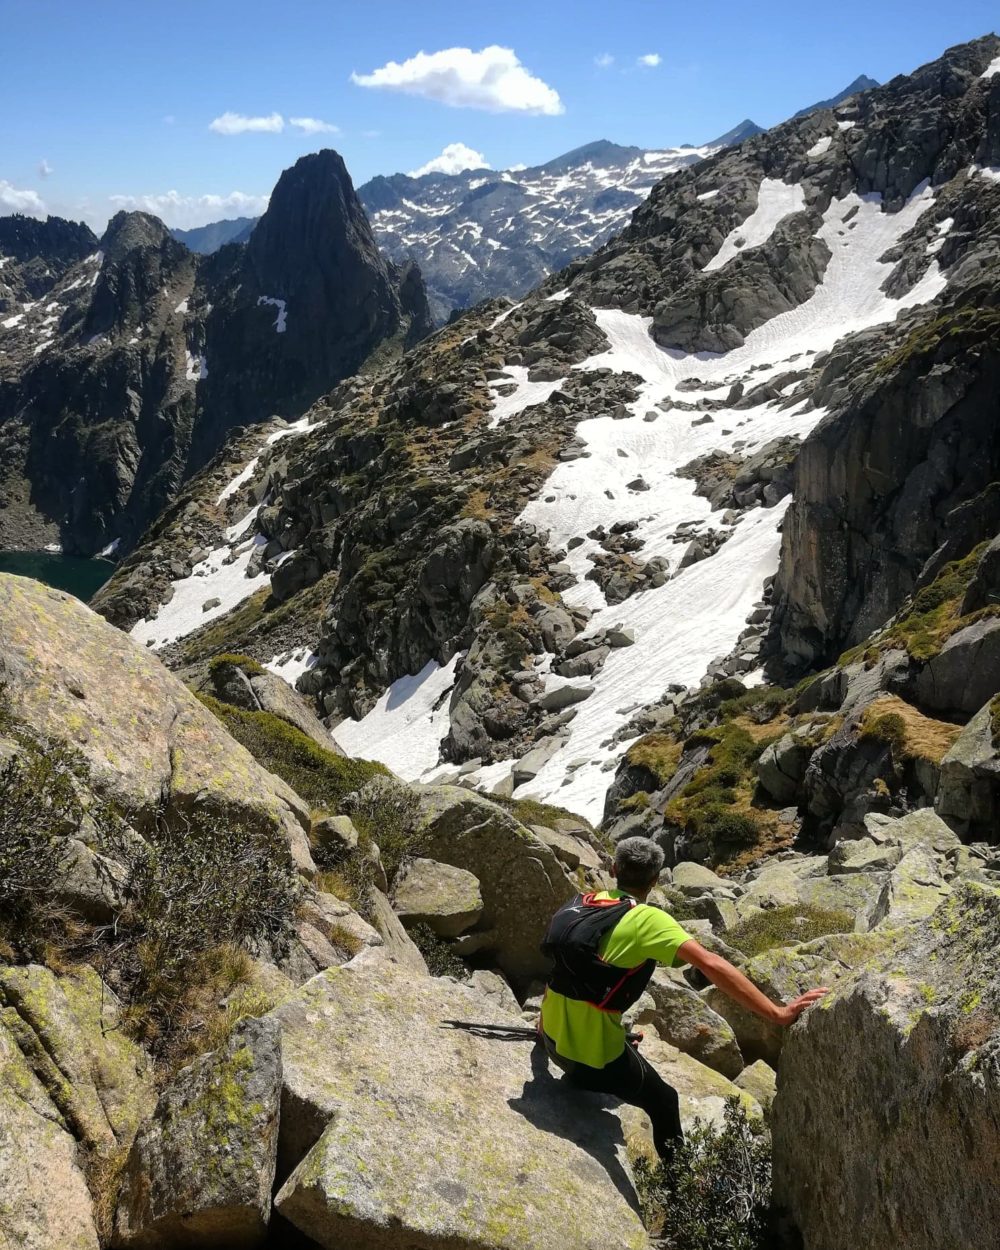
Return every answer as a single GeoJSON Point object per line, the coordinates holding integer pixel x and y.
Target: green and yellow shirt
{"type": "Point", "coordinates": [587, 1034]}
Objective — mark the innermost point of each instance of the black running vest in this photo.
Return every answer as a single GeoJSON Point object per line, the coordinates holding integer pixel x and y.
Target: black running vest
{"type": "Point", "coordinates": [572, 942]}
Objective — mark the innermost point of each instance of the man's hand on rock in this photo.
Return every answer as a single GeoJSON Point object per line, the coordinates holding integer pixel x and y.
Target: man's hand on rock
{"type": "Point", "coordinates": [791, 1011]}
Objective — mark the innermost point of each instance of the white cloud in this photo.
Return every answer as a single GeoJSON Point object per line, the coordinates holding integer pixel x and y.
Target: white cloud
{"type": "Point", "coordinates": [237, 124]}
{"type": "Point", "coordinates": [313, 125]}
{"type": "Point", "coordinates": [604, 61]}
{"type": "Point", "coordinates": [651, 60]}
{"type": "Point", "coordinates": [515, 169]}
{"type": "Point", "coordinates": [493, 79]}
{"type": "Point", "coordinates": [45, 170]}
{"type": "Point", "coordinates": [186, 211]}
{"type": "Point", "coordinates": [454, 158]}
{"type": "Point", "coordinates": [16, 201]}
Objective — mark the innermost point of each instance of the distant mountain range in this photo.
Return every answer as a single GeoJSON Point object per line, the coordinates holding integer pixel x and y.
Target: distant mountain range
{"type": "Point", "coordinates": [482, 233]}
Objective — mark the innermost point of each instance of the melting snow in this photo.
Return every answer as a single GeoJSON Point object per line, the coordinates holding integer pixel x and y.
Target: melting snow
{"type": "Point", "coordinates": [846, 125]}
{"type": "Point", "coordinates": [110, 549]}
{"type": "Point", "coordinates": [709, 195]}
{"type": "Point", "coordinates": [213, 578]}
{"type": "Point", "coordinates": [992, 68]}
{"type": "Point", "coordinates": [290, 665]}
{"type": "Point", "coordinates": [196, 367]}
{"type": "Point", "coordinates": [404, 729]}
{"type": "Point", "coordinates": [182, 307]}
{"type": "Point", "coordinates": [942, 229]}
{"type": "Point", "coordinates": [775, 201]}
{"type": "Point", "coordinates": [239, 480]}
{"type": "Point", "coordinates": [11, 322]}
{"type": "Point", "coordinates": [280, 324]}
{"type": "Point", "coordinates": [820, 146]}
{"type": "Point", "coordinates": [526, 394]}
{"type": "Point", "coordinates": [985, 171]}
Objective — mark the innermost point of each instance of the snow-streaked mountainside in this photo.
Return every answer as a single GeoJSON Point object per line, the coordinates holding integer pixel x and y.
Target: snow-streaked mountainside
{"type": "Point", "coordinates": [504, 558]}
{"type": "Point", "coordinates": [482, 233]}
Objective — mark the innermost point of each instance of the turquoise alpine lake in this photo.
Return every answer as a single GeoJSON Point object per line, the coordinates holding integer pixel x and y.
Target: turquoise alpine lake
{"type": "Point", "coordinates": [78, 575]}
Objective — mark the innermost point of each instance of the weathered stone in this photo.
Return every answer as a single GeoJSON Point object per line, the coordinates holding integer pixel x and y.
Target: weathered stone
{"type": "Point", "coordinates": [899, 1065]}
{"type": "Point", "coordinates": [335, 836]}
{"type": "Point", "coordinates": [914, 890]}
{"type": "Point", "coordinates": [146, 738]}
{"type": "Point", "coordinates": [863, 855]}
{"type": "Point", "coordinates": [522, 881]}
{"type": "Point", "coordinates": [404, 1134]}
{"type": "Point", "coordinates": [572, 850]}
{"type": "Point", "coordinates": [691, 878]}
{"type": "Point", "coordinates": [686, 1021]}
{"type": "Point", "coordinates": [399, 946]}
{"type": "Point", "coordinates": [201, 1169]}
{"type": "Point", "coordinates": [46, 1204]}
{"type": "Point", "coordinates": [439, 895]}
{"type": "Point", "coordinates": [529, 766]}
{"type": "Point", "coordinates": [782, 767]}
{"type": "Point", "coordinates": [969, 789]}
{"type": "Point", "coordinates": [492, 986]}
{"type": "Point", "coordinates": [965, 673]}
{"type": "Point", "coordinates": [760, 1081]}
{"type": "Point", "coordinates": [560, 697]}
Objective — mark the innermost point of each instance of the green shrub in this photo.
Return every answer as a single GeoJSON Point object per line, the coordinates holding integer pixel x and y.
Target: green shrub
{"type": "Point", "coordinates": [785, 926]}
{"type": "Point", "coordinates": [716, 1192]}
{"type": "Point", "coordinates": [438, 954]}
{"type": "Point", "coordinates": [247, 663]}
{"type": "Point", "coordinates": [319, 776]}
{"type": "Point", "coordinates": [889, 730]}
{"type": "Point", "coordinates": [199, 896]}
{"type": "Point", "coordinates": [729, 826]}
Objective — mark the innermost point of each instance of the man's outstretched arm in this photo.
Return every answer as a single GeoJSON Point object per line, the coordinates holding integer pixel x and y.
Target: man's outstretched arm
{"type": "Point", "coordinates": [736, 986]}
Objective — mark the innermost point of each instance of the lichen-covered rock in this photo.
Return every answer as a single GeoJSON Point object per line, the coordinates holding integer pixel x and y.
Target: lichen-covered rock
{"type": "Point", "coordinates": [201, 1169]}
{"type": "Point", "coordinates": [44, 1200]}
{"type": "Point", "coordinates": [445, 898]}
{"type": "Point", "coordinates": [914, 891]}
{"type": "Point", "coordinates": [686, 1021]}
{"type": "Point", "coordinates": [760, 1081]}
{"type": "Point", "coordinates": [969, 790]}
{"type": "Point", "coordinates": [522, 881]}
{"type": "Point", "coordinates": [148, 741]}
{"type": "Point", "coordinates": [402, 1134]}
{"type": "Point", "coordinates": [69, 1032]}
{"type": "Point", "coordinates": [887, 1122]}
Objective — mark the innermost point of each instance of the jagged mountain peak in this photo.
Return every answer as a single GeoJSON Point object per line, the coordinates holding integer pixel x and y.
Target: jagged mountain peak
{"type": "Point", "coordinates": [128, 230]}
{"type": "Point", "coordinates": [745, 129]}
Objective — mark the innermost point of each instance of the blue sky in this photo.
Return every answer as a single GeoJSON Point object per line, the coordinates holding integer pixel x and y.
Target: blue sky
{"type": "Point", "coordinates": [111, 102]}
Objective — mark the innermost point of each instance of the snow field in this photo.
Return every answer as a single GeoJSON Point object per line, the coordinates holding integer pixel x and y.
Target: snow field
{"type": "Point", "coordinates": [819, 147]}
{"type": "Point", "coordinates": [775, 201]}
{"type": "Point", "coordinates": [281, 323]}
{"type": "Point", "coordinates": [527, 393]}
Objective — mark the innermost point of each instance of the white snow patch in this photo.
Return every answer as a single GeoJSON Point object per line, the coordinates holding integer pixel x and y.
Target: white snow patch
{"type": "Point", "coordinates": [526, 394]}
{"type": "Point", "coordinates": [11, 322]}
{"type": "Point", "coordinates": [239, 480]}
{"type": "Point", "coordinates": [290, 665]}
{"type": "Point", "coordinates": [405, 728]}
{"type": "Point", "coordinates": [280, 324]}
{"type": "Point", "coordinates": [942, 228]}
{"type": "Point", "coordinates": [992, 172]}
{"type": "Point", "coordinates": [182, 307]}
{"type": "Point", "coordinates": [196, 367]}
{"type": "Point", "coordinates": [775, 201]}
{"type": "Point", "coordinates": [709, 195]}
{"type": "Point", "coordinates": [820, 146]}
{"type": "Point", "coordinates": [992, 68]}
{"type": "Point", "coordinates": [563, 294]}
{"type": "Point", "coordinates": [211, 579]}
{"type": "Point", "coordinates": [54, 549]}
{"type": "Point", "coordinates": [507, 311]}
{"type": "Point", "coordinates": [846, 125]}
{"type": "Point", "coordinates": [108, 551]}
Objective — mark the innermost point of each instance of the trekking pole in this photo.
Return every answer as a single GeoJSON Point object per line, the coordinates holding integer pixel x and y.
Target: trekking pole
{"type": "Point", "coordinates": [512, 1032]}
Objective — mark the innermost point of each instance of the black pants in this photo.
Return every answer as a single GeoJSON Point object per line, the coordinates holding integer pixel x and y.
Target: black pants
{"type": "Point", "coordinates": [635, 1081]}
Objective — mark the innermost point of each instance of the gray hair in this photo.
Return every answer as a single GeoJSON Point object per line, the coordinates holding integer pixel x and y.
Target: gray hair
{"type": "Point", "coordinates": [638, 861]}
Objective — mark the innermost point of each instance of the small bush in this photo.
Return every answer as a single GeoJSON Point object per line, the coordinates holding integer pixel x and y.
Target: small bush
{"type": "Point", "coordinates": [889, 730]}
{"type": "Point", "coordinates": [729, 826]}
{"type": "Point", "coordinates": [716, 1192]}
{"type": "Point", "coordinates": [439, 956]}
{"type": "Point", "coordinates": [247, 663]}
{"type": "Point", "coordinates": [785, 926]}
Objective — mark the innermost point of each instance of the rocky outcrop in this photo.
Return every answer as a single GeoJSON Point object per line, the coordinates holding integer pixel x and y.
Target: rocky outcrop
{"type": "Point", "coordinates": [149, 743]}
{"type": "Point", "coordinates": [507, 1160]}
{"type": "Point", "coordinates": [201, 1170]}
{"type": "Point", "coordinates": [899, 1065]}
{"type": "Point", "coordinates": [148, 356]}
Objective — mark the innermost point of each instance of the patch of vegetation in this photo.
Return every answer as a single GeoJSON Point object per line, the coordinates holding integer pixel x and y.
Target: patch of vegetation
{"type": "Point", "coordinates": [995, 720]}
{"type": "Point", "coordinates": [319, 776]}
{"type": "Point", "coordinates": [199, 897]}
{"type": "Point", "coordinates": [438, 954]}
{"type": "Point", "coordinates": [532, 812]}
{"type": "Point", "coordinates": [507, 624]}
{"type": "Point", "coordinates": [908, 733]}
{"type": "Point", "coordinates": [786, 926]}
{"type": "Point", "coordinates": [760, 703]}
{"type": "Point", "coordinates": [676, 903]}
{"type": "Point", "coordinates": [933, 616]}
{"type": "Point", "coordinates": [247, 663]}
{"type": "Point", "coordinates": [658, 753]}
{"type": "Point", "coordinates": [716, 804]}
{"type": "Point", "coordinates": [715, 1194]}
{"type": "Point", "coordinates": [951, 330]}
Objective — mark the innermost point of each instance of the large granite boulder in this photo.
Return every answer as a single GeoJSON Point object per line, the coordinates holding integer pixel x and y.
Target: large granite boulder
{"type": "Point", "coordinates": [523, 882]}
{"type": "Point", "coordinates": [441, 896]}
{"type": "Point", "coordinates": [968, 794]}
{"type": "Point", "coordinates": [886, 1126]}
{"type": "Point", "coordinates": [396, 1133]}
{"type": "Point", "coordinates": [686, 1021]}
{"type": "Point", "coordinates": [148, 742]}
{"type": "Point", "coordinates": [201, 1170]}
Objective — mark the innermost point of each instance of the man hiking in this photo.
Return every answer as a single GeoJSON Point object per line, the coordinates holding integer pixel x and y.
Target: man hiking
{"type": "Point", "coordinates": [605, 947]}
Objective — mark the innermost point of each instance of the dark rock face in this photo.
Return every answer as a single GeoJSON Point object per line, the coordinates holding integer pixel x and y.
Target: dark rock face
{"type": "Point", "coordinates": [37, 254]}
{"type": "Point", "coordinates": [145, 355]}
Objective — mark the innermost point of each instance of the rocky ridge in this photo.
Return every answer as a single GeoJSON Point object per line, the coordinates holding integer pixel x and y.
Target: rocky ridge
{"type": "Point", "coordinates": [123, 370]}
{"type": "Point", "coordinates": [473, 526]}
